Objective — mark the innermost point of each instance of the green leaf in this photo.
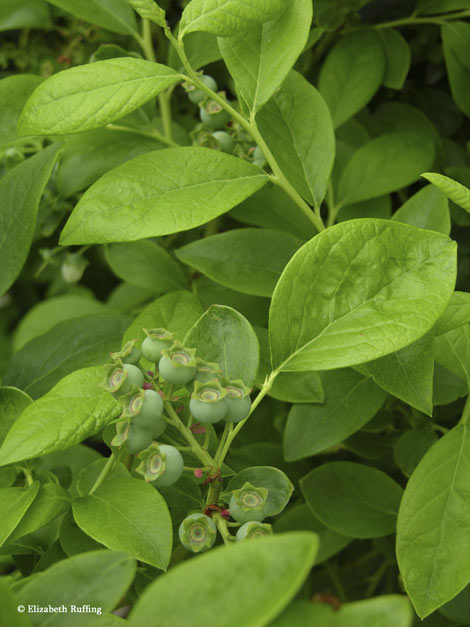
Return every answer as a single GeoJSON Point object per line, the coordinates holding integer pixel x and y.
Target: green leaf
{"type": "Point", "coordinates": [352, 73]}
{"type": "Point", "coordinates": [281, 562]}
{"type": "Point", "coordinates": [89, 475]}
{"type": "Point", "coordinates": [411, 447]}
{"type": "Point", "coordinates": [458, 608]}
{"type": "Point", "coordinates": [146, 264]}
{"type": "Point", "coordinates": [51, 501]}
{"type": "Point", "coordinates": [407, 373]}
{"type": "Point", "coordinates": [389, 610]}
{"type": "Point", "coordinates": [97, 578]}
{"type": "Point", "coordinates": [15, 503]}
{"type": "Point", "coordinates": [433, 522]}
{"type": "Point", "coordinates": [344, 296]}
{"type": "Point", "coordinates": [452, 350]}
{"type": "Point", "coordinates": [351, 400]}
{"type": "Point", "coordinates": [456, 314]}
{"type": "Point", "coordinates": [452, 189]}
{"type": "Point", "coordinates": [398, 58]}
{"type": "Point", "coordinates": [272, 208]}
{"type": "Point", "coordinates": [9, 614]}
{"type": "Point", "coordinates": [12, 404]}
{"type": "Point", "coordinates": [227, 17]}
{"type": "Point", "coordinates": [224, 336]}
{"type": "Point", "coordinates": [260, 58]}
{"type": "Point", "coordinates": [448, 387]}
{"type": "Point", "coordinates": [74, 409]}
{"type": "Point", "coordinates": [279, 487]}
{"type": "Point", "coordinates": [73, 540]}
{"type": "Point", "coordinates": [87, 156]}
{"type": "Point", "coordinates": [47, 313]}
{"type": "Point", "coordinates": [300, 518]}
{"type": "Point", "coordinates": [383, 165]}
{"type": "Point", "coordinates": [305, 157]}
{"type": "Point", "coordinates": [26, 14]}
{"type": "Point", "coordinates": [298, 387]}
{"type": "Point", "coordinates": [353, 499]}
{"type": "Point", "coordinates": [149, 10]}
{"type": "Point", "coordinates": [200, 48]}
{"type": "Point", "coordinates": [455, 42]}
{"type": "Point", "coordinates": [69, 345]}
{"type": "Point", "coordinates": [18, 208]}
{"type": "Point", "coordinates": [114, 15]}
{"type": "Point", "coordinates": [247, 260]}
{"type": "Point", "coordinates": [175, 201]}
{"type": "Point", "coordinates": [428, 7]}
{"type": "Point", "coordinates": [427, 209]}
{"type": "Point", "coordinates": [130, 515]}
{"type": "Point", "coordinates": [14, 92]}
{"type": "Point", "coordinates": [108, 91]}
{"type": "Point", "coordinates": [177, 312]}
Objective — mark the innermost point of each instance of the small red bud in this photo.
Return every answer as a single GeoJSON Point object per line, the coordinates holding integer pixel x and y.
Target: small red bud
{"type": "Point", "coordinates": [148, 385]}
{"type": "Point", "coordinates": [225, 514]}
{"type": "Point", "coordinates": [150, 373]}
{"type": "Point", "coordinates": [198, 472]}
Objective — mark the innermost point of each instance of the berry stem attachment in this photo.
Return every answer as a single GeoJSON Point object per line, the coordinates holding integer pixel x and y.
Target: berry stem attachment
{"type": "Point", "coordinates": [222, 527]}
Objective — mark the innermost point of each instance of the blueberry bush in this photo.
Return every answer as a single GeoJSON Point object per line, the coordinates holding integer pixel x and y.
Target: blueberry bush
{"type": "Point", "coordinates": [234, 317]}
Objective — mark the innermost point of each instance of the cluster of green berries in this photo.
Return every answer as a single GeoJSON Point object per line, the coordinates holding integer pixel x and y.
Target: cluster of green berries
{"type": "Point", "coordinates": [248, 506]}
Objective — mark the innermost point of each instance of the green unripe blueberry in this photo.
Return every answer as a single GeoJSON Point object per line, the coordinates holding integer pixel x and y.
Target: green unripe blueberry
{"type": "Point", "coordinates": [156, 341]}
{"type": "Point", "coordinates": [150, 415]}
{"type": "Point", "coordinates": [259, 163]}
{"type": "Point", "coordinates": [120, 378]}
{"type": "Point", "coordinates": [197, 95]}
{"type": "Point", "coordinates": [238, 401]}
{"type": "Point", "coordinates": [208, 402]}
{"type": "Point", "coordinates": [134, 375]}
{"type": "Point", "coordinates": [253, 529]}
{"type": "Point", "coordinates": [73, 267]}
{"type": "Point", "coordinates": [225, 141]}
{"type": "Point", "coordinates": [197, 533]}
{"type": "Point", "coordinates": [174, 465]}
{"type": "Point", "coordinates": [129, 354]}
{"type": "Point", "coordinates": [248, 503]}
{"type": "Point", "coordinates": [138, 439]}
{"type": "Point", "coordinates": [213, 116]}
{"type": "Point", "coordinates": [178, 365]}
{"type": "Point", "coordinates": [258, 155]}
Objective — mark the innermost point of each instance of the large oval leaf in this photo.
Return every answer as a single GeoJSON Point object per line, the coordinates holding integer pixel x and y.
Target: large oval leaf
{"type": "Point", "coordinates": [161, 192]}
{"type": "Point", "coordinates": [97, 579]}
{"type": "Point", "coordinates": [108, 91]}
{"type": "Point", "coordinates": [15, 503]}
{"type": "Point", "coordinates": [353, 499]}
{"type": "Point", "coordinates": [114, 15]}
{"type": "Point", "coordinates": [74, 409]}
{"type": "Point", "coordinates": [224, 336]}
{"type": "Point", "coordinates": [351, 400]}
{"type": "Point", "coordinates": [260, 58]}
{"type": "Point", "coordinates": [128, 514]}
{"type": "Point", "coordinates": [357, 291]}
{"type": "Point", "coordinates": [247, 260]}
{"type": "Point", "coordinates": [352, 73]}
{"type": "Point", "coordinates": [71, 344]}
{"type": "Point", "coordinates": [18, 208]}
{"type": "Point", "coordinates": [433, 522]}
{"type": "Point", "coordinates": [298, 129]}
{"type": "Point", "coordinates": [231, 577]}
{"type": "Point", "coordinates": [12, 404]}
{"type": "Point", "coordinates": [226, 17]}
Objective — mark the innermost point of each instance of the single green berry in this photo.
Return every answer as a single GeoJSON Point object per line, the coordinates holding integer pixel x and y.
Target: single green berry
{"type": "Point", "coordinates": [146, 409]}
{"type": "Point", "coordinates": [197, 95]}
{"type": "Point", "coordinates": [224, 140]}
{"type": "Point", "coordinates": [155, 342]}
{"type": "Point", "coordinates": [162, 464]}
{"type": "Point", "coordinates": [248, 503]}
{"type": "Point", "coordinates": [253, 529]}
{"type": "Point", "coordinates": [120, 377]}
{"type": "Point", "coordinates": [197, 533]}
{"type": "Point", "coordinates": [138, 439]}
{"type": "Point", "coordinates": [259, 163]}
{"type": "Point", "coordinates": [213, 115]}
{"type": "Point", "coordinates": [238, 401]}
{"type": "Point", "coordinates": [129, 354]}
{"type": "Point", "coordinates": [178, 364]}
{"type": "Point", "coordinates": [208, 402]}
{"type": "Point", "coordinates": [73, 267]}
